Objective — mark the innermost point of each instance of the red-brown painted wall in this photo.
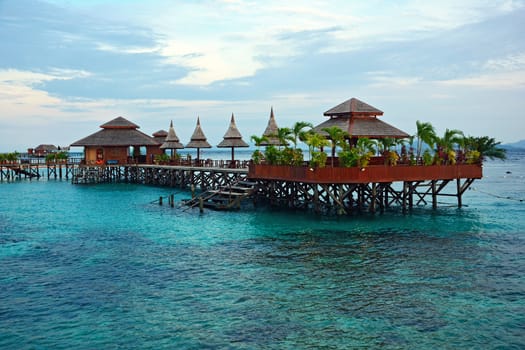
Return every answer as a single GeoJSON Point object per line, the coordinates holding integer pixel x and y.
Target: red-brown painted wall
{"type": "Point", "coordinates": [373, 173]}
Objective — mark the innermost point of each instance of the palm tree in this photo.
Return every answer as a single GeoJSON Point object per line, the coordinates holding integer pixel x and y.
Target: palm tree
{"type": "Point", "coordinates": [385, 143]}
{"type": "Point", "coordinates": [298, 131]}
{"type": "Point", "coordinates": [365, 150]}
{"type": "Point", "coordinates": [445, 145]}
{"type": "Point", "coordinates": [425, 134]}
{"type": "Point", "coordinates": [336, 136]}
{"type": "Point", "coordinates": [314, 140]}
{"type": "Point", "coordinates": [486, 146]}
{"type": "Point", "coordinates": [284, 135]}
{"type": "Point", "coordinates": [259, 140]}
{"type": "Point", "coordinates": [257, 155]}
{"type": "Point", "coordinates": [449, 139]}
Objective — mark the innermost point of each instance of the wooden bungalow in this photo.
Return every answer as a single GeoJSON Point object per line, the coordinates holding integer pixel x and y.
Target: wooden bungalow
{"type": "Point", "coordinates": [43, 150]}
{"type": "Point", "coordinates": [359, 119]}
{"type": "Point", "coordinates": [119, 142]}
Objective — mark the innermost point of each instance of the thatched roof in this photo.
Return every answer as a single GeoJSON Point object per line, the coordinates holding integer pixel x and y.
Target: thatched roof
{"type": "Point", "coordinates": [358, 119]}
{"type": "Point", "coordinates": [171, 141]}
{"type": "Point", "coordinates": [271, 131]}
{"type": "Point", "coordinates": [117, 132]}
{"type": "Point", "coordinates": [370, 127]}
{"type": "Point", "coordinates": [353, 107]}
{"type": "Point", "coordinates": [233, 137]}
{"type": "Point", "coordinates": [46, 148]}
{"type": "Point", "coordinates": [119, 123]}
{"type": "Point", "coordinates": [198, 140]}
{"type": "Point", "coordinates": [160, 136]}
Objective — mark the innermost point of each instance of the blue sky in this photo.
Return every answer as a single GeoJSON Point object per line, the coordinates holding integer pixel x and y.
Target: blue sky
{"type": "Point", "coordinates": [68, 66]}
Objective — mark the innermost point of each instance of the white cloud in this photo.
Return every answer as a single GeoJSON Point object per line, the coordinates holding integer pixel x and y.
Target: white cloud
{"type": "Point", "coordinates": [126, 49]}
{"type": "Point", "coordinates": [508, 63]}
{"type": "Point", "coordinates": [505, 80]}
{"type": "Point", "coordinates": [22, 78]}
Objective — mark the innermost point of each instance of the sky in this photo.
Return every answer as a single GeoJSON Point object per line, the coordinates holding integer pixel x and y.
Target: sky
{"type": "Point", "coordinates": [68, 66]}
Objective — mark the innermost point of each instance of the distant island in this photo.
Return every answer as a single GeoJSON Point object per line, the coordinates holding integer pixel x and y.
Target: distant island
{"type": "Point", "coordinates": [515, 145]}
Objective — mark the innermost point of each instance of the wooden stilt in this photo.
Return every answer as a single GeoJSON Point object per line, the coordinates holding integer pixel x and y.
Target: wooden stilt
{"type": "Point", "coordinates": [434, 194]}
{"type": "Point", "coordinates": [459, 193]}
{"type": "Point", "coordinates": [373, 198]}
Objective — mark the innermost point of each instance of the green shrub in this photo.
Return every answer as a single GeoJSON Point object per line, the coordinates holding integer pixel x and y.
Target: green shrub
{"type": "Point", "coordinates": [318, 159]}
{"type": "Point", "coordinates": [272, 155]}
{"type": "Point", "coordinates": [427, 158]}
{"type": "Point", "coordinates": [257, 157]}
{"type": "Point", "coordinates": [348, 158]}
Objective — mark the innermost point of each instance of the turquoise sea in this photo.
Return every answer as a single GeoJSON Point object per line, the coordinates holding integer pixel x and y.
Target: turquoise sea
{"type": "Point", "coordinates": [106, 267]}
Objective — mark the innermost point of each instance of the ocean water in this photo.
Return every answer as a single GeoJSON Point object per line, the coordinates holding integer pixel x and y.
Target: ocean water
{"type": "Point", "coordinates": [106, 267]}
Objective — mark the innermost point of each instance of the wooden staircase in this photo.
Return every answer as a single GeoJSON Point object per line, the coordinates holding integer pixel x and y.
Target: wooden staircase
{"type": "Point", "coordinates": [224, 198]}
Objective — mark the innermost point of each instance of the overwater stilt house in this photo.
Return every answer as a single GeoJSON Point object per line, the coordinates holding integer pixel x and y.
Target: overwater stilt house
{"type": "Point", "coordinates": [232, 139]}
{"type": "Point", "coordinates": [198, 140]}
{"type": "Point", "coordinates": [119, 142]}
{"type": "Point", "coordinates": [373, 187]}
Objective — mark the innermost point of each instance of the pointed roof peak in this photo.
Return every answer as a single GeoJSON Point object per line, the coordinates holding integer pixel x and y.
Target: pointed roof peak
{"type": "Point", "coordinates": [271, 131]}
{"type": "Point", "coordinates": [119, 123]}
{"type": "Point", "coordinates": [353, 107]}
{"type": "Point", "coordinates": [198, 139]}
{"type": "Point", "coordinates": [232, 137]}
{"type": "Point", "coordinates": [171, 141]}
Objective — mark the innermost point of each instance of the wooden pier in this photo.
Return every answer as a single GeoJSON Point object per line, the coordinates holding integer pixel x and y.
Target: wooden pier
{"type": "Point", "coordinates": [14, 171]}
{"type": "Point", "coordinates": [36, 168]}
{"type": "Point", "coordinates": [329, 190]}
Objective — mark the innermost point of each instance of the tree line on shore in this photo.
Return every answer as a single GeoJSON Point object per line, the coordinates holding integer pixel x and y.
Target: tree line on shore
{"type": "Point", "coordinates": [426, 147]}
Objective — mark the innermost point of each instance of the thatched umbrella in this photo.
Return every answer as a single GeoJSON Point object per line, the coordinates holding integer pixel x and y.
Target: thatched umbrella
{"type": "Point", "coordinates": [198, 140]}
{"type": "Point", "coordinates": [271, 132]}
{"type": "Point", "coordinates": [232, 138]}
{"type": "Point", "coordinates": [172, 141]}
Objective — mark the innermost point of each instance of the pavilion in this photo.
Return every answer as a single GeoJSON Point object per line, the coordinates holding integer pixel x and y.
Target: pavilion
{"type": "Point", "coordinates": [119, 142]}
{"type": "Point", "coordinates": [359, 119]}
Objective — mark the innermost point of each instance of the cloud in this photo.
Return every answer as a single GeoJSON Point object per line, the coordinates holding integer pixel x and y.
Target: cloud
{"type": "Point", "coordinates": [506, 80]}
